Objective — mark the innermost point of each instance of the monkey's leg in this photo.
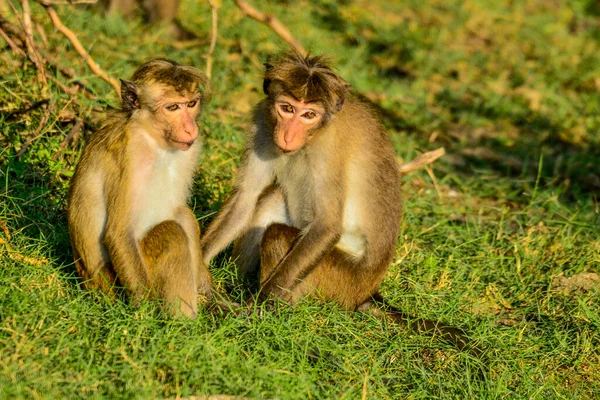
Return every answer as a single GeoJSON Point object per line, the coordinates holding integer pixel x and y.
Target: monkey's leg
{"type": "Point", "coordinates": [339, 276]}
{"type": "Point", "coordinates": [167, 253]}
{"type": "Point", "coordinates": [186, 218]}
{"type": "Point", "coordinates": [246, 250]}
{"type": "Point", "coordinates": [91, 258]}
{"type": "Point", "coordinates": [95, 270]}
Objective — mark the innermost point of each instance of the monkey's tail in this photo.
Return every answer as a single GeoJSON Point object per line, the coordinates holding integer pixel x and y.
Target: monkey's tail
{"type": "Point", "coordinates": [380, 308]}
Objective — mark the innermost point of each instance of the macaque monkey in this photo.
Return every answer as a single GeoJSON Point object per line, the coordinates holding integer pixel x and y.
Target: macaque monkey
{"type": "Point", "coordinates": [156, 11]}
{"type": "Point", "coordinates": [128, 216]}
{"type": "Point", "coordinates": [316, 208]}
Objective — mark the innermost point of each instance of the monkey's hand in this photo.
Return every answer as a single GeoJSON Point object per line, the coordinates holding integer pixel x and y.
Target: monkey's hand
{"type": "Point", "coordinates": [225, 307]}
{"type": "Point", "coordinates": [271, 290]}
{"type": "Point", "coordinates": [259, 306]}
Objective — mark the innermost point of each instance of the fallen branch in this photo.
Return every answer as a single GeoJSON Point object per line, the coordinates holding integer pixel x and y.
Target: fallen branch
{"type": "Point", "coordinates": [32, 54]}
{"type": "Point", "coordinates": [79, 48]}
{"type": "Point", "coordinates": [272, 23]}
{"type": "Point", "coordinates": [73, 134]}
{"type": "Point", "coordinates": [422, 160]}
{"type": "Point", "coordinates": [38, 132]}
{"type": "Point", "coordinates": [16, 49]}
{"type": "Point", "coordinates": [214, 6]}
{"type": "Point", "coordinates": [429, 171]}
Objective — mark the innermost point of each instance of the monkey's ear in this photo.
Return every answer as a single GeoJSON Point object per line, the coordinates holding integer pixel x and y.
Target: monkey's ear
{"type": "Point", "coordinates": [267, 82]}
{"type": "Point", "coordinates": [129, 97]}
{"type": "Point", "coordinates": [340, 100]}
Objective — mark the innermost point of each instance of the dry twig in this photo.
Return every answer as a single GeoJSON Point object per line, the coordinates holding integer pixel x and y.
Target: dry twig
{"type": "Point", "coordinates": [272, 23]}
{"type": "Point", "coordinates": [422, 160]}
{"type": "Point", "coordinates": [38, 132]}
{"type": "Point", "coordinates": [16, 49]}
{"type": "Point", "coordinates": [25, 22]}
{"type": "Point", "coordinates": [214, 7]}
{"type": "Point", "coordinates": [77, 44]}
{"type": "Point", "coordinates": [429, 171]}
{"type": "Point", "coordinates": [73, 134]}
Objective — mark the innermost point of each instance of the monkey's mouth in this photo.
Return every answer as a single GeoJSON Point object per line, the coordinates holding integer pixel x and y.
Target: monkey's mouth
{"type": "Point", "coordinates": [183, 145]}
{"type": "Point", "coordinates": [286, 151]}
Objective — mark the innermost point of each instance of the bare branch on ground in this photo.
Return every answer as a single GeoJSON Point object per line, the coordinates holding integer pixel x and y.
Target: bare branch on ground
{"type": "Point", "coordinates": [214, 7]}
{"type": "Point", "coordinates": [25, 21]}
{"type": "Point", "coordinates": [422, 160]}
{"type": "Point", "coordinates": [272, 23]}
{"type": "Point", "coordinates": [80, 49]}
{"type": "Point", "coordinates": [16, 49]}
{"type": "Point", "coordinates": [38, 132]}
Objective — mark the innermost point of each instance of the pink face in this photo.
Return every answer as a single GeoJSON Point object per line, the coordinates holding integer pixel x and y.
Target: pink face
{"type": "Point", "coordinates": [295, 121]}
{"type": "Point", "coordinates": [181, 115]}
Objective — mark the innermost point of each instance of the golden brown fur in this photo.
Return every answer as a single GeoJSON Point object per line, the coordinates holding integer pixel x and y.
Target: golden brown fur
{"type": "Point", "coordinates": [340, 192]}
{"type": "Point", "coordinates": [128, 217]}
{"type": "Point", "coordinates": [317, 207]}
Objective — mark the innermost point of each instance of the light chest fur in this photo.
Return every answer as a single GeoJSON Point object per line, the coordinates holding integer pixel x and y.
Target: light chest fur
{"type": "Point", "coordinates": [164, 186]}
{"type": "Point", "coordinates": [296, 182]}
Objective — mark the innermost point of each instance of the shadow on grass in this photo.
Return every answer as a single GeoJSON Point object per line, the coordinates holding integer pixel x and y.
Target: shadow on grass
{"type": "Point", "coordinates": [38, 210]}
{"type": "Point", "coordinates": [573, 167]}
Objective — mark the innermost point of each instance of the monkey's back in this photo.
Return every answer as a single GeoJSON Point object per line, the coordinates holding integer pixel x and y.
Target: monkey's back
{"type": "Point", "coordinates": [374, 179]}
{"type": "Point", "coordinates": [87, 204]}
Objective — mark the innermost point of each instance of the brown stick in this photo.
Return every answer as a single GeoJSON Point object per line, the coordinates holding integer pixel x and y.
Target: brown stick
{"type": "Point", "coordinates": [13, 46]}
{"type": "Point", "coordinates": [82, 52]}
{"type": "Point", "coordinates": [214, 6]}
{"type": "Point", "coordinates": [272, 23]}
{"type": "Point", "coordinates": [422, 160]}
{"type": "Point", "coordinates": [429, 171]}
{"type": "Point", "coordinates": [25, 22]}
{"type": "Point", "coordinates": [73, 134]}
{"type": "Point", "coordinates": [38, 132]}
{"type": "Point", "coordinates": [29, 35]}
{"type": "Point", "coordinates": [48, 58]}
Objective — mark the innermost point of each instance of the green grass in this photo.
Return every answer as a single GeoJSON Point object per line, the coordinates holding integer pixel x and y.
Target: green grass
{"type": "Point", "coordinates": [510, 89]}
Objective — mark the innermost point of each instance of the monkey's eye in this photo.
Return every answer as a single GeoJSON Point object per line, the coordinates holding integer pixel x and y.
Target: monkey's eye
{"type": "Point", "coordinates": [286, 108]}
{"type": "Point", "coordinates": [172, 107]}
{"type": "Point", "coordinates": [309, 114]}
{"type": "Point", "coordinates": [192, 103]}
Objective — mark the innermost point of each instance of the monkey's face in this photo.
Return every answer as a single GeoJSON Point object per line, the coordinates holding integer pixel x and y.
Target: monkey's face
{"type": "Point", "coordinates": [178, 114]}
{"type": "Point", "coordinates": [296, 121]}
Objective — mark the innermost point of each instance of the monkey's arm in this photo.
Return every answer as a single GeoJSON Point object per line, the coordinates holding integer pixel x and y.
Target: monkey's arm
{"type": "Point", "coordinates": [236, 214]}
{"type": "Point", "coordinates": [124, 248]}
{"type": "Point", "coordinates": [315, 241]}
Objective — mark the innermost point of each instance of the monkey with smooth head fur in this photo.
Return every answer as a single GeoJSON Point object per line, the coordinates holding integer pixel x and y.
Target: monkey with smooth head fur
{"type": "Point", "coordinates": [128, 216]}
{"type": "Point", "coordinates": [317, 206]}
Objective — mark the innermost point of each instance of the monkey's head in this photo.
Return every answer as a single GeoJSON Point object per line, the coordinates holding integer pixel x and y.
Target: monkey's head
{"type": "Point", "coordinates": [165, 98]}
{"type": "Point", "coordinates": [303, 94]}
